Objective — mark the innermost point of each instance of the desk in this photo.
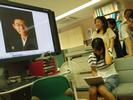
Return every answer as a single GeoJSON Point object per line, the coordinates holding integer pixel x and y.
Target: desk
{"type": "Point", "coordinates": [77, 51]}
{"type": "Point", "coordinates": [22, 92]}
{"type": "Point", "coordinates": [17, 91]}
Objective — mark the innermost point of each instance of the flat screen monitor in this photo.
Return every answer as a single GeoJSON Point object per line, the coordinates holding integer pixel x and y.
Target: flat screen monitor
{"type": "Point", "coordinates": [26, 31]}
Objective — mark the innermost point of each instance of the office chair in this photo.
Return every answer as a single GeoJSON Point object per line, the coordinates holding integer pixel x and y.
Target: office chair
{"type": "Point", "coordinates": [52, 88]}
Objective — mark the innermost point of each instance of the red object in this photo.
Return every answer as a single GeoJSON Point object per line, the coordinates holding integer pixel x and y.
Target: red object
{"type": "Point", "coordinates": [36, 68]}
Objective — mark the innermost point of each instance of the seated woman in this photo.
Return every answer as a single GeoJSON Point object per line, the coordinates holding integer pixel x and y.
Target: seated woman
{"type": "Point", "coordinates": [99, 59]}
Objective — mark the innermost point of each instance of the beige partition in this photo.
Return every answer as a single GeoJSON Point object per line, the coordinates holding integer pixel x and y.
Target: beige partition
{"type": "Point", "coordinates": [71, 38]}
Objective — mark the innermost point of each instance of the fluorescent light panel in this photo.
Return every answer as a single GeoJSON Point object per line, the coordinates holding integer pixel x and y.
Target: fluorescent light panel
{"type": "Point", "coordinates": [77, 9]}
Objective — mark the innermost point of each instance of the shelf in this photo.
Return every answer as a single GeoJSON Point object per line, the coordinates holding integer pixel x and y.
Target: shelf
{"type": "Point", "coordinates": [107, 10]}
{"type": "Point", "coordinates": [111, 13]}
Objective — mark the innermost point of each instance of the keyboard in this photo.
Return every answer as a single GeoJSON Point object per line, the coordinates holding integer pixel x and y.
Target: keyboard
{"type": "Point", "coordinates": [8, 87]}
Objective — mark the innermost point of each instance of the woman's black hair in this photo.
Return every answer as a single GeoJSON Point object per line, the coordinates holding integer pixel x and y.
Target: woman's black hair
{"type": "Point", "coordinates": [131, 16]}
{"type": "Point", "coordinates": [112, 21]}
{"type": "Point", "coordinates": [130, 10]}
{"type": "Point", "coordinates": [104, 22]}
{"type": "Point", "coordinates": [98, 44]}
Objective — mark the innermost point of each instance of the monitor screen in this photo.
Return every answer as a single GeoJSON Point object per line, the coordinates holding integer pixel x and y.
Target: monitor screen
{"type": "Point", "coordinates": [27, 31]}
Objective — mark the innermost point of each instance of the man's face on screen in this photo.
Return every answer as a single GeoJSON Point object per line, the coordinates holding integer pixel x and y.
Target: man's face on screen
{"type": "Point", "coordinates": [20, 27]}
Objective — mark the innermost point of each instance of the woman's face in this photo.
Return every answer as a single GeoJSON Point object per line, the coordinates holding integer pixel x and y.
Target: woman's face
{"type": "Point", "coordinates": [130, 24]}
{"type": "Point", "coordinates": [99, 24]}
{"type": "Point", "coordinates": [126, 15]}
{"type": "Point", "coordinates": [111, 26]}
{"type": "Point", "coordinates": [98, 52]}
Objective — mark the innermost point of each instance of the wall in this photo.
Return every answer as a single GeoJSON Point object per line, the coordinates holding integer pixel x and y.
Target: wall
{"type": "Point", "coordinates": [71, 38]}
{"type": "Point", "coordinates": [126, 4]}
{"type": "Point", "coordinates": [75, 34]}
{"type": "Point", "coordinates": [85, 24]}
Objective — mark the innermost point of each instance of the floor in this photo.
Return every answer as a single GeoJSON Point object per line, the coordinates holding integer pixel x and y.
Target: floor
{"type": "Point", "coordinates": [84, 95]}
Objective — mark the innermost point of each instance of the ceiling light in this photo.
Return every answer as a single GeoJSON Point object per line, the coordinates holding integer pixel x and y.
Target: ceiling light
{"type": "Point", "coordinates": [77, 9]}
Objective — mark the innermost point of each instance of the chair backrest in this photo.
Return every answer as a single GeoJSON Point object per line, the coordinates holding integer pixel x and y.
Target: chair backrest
{"type": "Point", "coordinates": [51, 88]}
{"type": "Point", "coordinates": [124, 67]}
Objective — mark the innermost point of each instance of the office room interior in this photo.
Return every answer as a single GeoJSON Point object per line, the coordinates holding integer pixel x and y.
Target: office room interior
{"type": "Point", "coordinates": [55, 64]}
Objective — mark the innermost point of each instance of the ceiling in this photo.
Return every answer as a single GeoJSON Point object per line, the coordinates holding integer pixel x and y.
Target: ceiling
{"type": "Point", "coordinates": [62, 6]}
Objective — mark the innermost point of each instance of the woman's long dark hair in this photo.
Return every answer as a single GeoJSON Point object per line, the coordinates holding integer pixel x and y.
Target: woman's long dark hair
{"type": "Point", "coordinates": [104, 22]}
{"type": "Point", "coordinates": [98, 44]}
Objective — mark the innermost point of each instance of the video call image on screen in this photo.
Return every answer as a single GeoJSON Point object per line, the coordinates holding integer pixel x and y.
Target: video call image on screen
{"type": "Point", "coordinates": [24, 32]}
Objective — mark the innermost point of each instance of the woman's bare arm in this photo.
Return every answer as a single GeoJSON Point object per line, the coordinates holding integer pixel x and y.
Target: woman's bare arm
{"type": "Point", "coordinates": [94, 71]}
{"type": "Point", "coordinates": [108, 55]}
{"type": "Point", "coordinates": [128, 46]}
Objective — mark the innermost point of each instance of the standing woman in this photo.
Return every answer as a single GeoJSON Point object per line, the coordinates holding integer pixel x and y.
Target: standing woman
{"type": "Point", "coordinates": [117, 44]}
{"type": "Point", "coordinates": [102, 31]}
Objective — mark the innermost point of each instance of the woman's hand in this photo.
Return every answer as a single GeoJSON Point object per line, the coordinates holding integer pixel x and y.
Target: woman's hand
{"type": "Point", "coordinates": [108, 54]}
{"type": "Point", "coordinates": [94, 73]}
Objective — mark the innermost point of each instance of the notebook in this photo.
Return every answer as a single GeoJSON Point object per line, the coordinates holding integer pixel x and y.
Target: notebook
{"type": "Point", "coordinates": [94, 80]}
